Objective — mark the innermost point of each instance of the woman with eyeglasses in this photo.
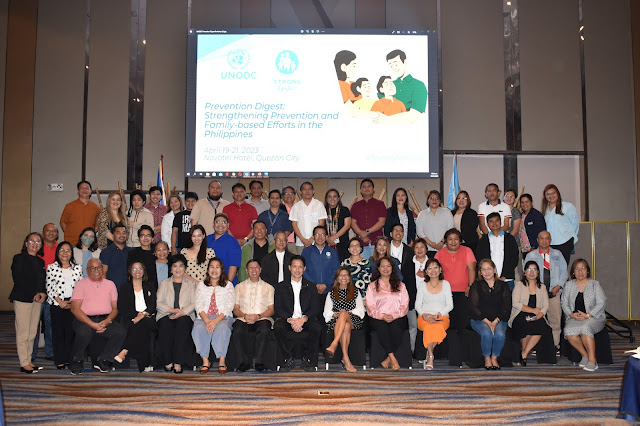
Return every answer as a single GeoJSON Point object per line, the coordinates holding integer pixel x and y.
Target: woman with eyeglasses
{"type": "Point", "coordinates": [137, 310]}
{"type": "Point", "coordinates": [28, 294]}
{"type": "Point", "coordinates": [583, 303]}
{"type": "Point", "coordinates": [434, 301]}
{"type": "Point", "coordinates": [490, 306]}
{"type": "Point", "coordinates": [528, 321]}
{"type": "Point", "coordinates": [465, 220]}
{"type": "Point", "coordinates": [433, 222]}
{"type": "Point", "coordinates": [62, 276]}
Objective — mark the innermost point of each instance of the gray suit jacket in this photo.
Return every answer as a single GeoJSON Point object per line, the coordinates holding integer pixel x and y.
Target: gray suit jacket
{"type": "Point", "coordinates": [594, 298]}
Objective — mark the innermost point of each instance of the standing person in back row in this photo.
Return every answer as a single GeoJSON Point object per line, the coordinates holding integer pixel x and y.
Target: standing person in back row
{"type": "Point", "coordinates": [305, 215]}
{"type": "Point", "coordinates": [256, 200]}
{"type": "Point", "coordinates": [433, 222]}
{"type": "Point", "coordinates": [241, 215]}
{"type": "Point", "coordinates": [157, 211]}
{"type": "Point", "coordinates": [368, 217]}
{"type": "Point", "coordinates": [205, 210]}
{"type": "Point", "coordinates": [493, 204]}
{"type": "Point", "coordinates": [79, 214]}
{"type": "Point", "coordinates": [562, 220]}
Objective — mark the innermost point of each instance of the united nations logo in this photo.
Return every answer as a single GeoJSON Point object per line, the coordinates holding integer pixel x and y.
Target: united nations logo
{"type": "Point", "coordinates": [287, 62]}
{"type": "Point", "coordinates": [238, 59]}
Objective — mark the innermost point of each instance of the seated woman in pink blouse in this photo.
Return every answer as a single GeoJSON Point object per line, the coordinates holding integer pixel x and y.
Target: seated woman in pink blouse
{"type": "Point", "coordinates": [387, 304]}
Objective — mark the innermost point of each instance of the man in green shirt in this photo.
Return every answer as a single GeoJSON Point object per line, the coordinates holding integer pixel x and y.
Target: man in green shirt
{"type": "Point", "coordinates": [410, 91]}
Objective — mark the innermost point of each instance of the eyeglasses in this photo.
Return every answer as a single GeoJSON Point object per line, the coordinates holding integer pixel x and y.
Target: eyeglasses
{"type": "Point", "coordinates": [94, 268]}
{"type": "Point", "coordinates": [320, 235]}
{"type": "Point", "coordinates": [65, 251]}
{"type": "Point", "coordinates": [34, 241]}
{"type": "Point", "coordinates": [580, 268]}
{"type": "Point", "coordinates": [462, 198]}
{"type": "Point", "coordinates": [220, 222]}
{"type": "Point", "coordinates": [280, 240]}
{"type": "Point", "coordinates": [288, 193]}
{"type": "Point", "coordinates": [137, 269]}
{"type": "Point", "coordinates": [145, 236]}
{"type": "Point", "coordinates": [434, 199]}
{"type": "Point", "coordinates": [531, 270]}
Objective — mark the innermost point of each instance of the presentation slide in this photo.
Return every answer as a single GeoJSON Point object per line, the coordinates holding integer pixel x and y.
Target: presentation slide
{"type": "Point", "coordinates": [312, 104]}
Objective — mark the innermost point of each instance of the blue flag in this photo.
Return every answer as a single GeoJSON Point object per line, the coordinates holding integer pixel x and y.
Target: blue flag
{"type": "Point", "coordinates": [454, 186]}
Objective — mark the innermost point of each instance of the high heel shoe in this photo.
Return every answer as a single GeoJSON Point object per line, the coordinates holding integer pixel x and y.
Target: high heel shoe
{"type": "Point", "coordinates": [428, 366]}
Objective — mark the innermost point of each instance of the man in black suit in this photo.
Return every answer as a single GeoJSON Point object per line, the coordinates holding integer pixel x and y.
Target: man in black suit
{"type": "Point", "coordinates": [296, 309]}
{"type": "Point", "coordinates": [404, 254]}
{"type": "Point", "coordinates": [501, 247]}
{"type": "Point", "coordinates": [275, 265]}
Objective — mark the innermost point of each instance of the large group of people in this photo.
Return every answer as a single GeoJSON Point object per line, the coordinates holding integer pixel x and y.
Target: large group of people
{"type": "Point", "coordinates": [161, 284]}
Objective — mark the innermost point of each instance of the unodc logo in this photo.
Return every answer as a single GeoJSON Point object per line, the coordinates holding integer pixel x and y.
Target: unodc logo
{"type": "Point", "coordinates": [238, 59]}
{"type": "Point", "coordinates": [287, 62]}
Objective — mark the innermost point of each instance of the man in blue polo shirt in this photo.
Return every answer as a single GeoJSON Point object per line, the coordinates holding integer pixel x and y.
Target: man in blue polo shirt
{"type": "Point", "coordinates": [114, 257]}
{"type": "Point", "coordinates": [225, 246]}
{"type": "Point", "coordinates": [322, 261]}
{"type": "Point", "coordinates": [276, 219]}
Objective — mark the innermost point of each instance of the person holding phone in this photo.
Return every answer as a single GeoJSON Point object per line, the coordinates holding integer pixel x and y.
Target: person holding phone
{"type": "Point", "coordinates": [434, 301]}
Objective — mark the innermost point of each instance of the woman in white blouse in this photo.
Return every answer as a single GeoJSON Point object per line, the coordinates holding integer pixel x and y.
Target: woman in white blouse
{"type": "Point", "coordinates": [175, 207]}
{"type": "Point", "coordinates": [62, 276]}
{"type": "Point", "coordinates": [434, 301]}
{"type": "Point", "coordinates": [215, 300]}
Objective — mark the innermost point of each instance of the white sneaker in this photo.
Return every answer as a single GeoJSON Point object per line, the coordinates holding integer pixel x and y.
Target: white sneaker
{"type": "Point", "coordinates": [590, 366]}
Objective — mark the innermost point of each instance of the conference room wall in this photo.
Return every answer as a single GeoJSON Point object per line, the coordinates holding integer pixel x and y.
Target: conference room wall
{"type": "Point", "coordinates": [551, 99]}
{"type": "Point", "coordinates": [473, 75]}
{"type": "Point", "coordinates": [4, 9]}
{"type": "Point", "coordinates": [58, 108]}
{"type": "Point", "coordinates": [610, 111]}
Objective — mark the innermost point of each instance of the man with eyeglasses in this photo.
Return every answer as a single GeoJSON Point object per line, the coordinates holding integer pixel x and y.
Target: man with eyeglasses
{"type": "Point", "coordinates": [94, 304]}
{"type": "Point", "coordinates": [288, 200]}
{"type": "Point", "coordinates": [253, 311]}
{"type": "Point", "coordinates": [553, 274]}
{"type": "Point", "coordinates": [145, 253]}
{"type": "Point", "coordinates": [493, 204]}
{"type": "Point", "coordinates": [225, 246]}
{"type": "Point", "coordinates": [114, 257]}
{"type": "Point", "coordinates": [322, 261]}
{"type": "Point", "coordinates": [275, 265]}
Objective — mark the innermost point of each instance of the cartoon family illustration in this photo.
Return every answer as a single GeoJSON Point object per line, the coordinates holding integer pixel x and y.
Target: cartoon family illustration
{"type": "Point", "coordinates": [402, 100]}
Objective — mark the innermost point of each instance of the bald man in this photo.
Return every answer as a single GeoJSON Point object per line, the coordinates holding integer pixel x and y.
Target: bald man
{"type": "Point", "coordinates": [94, 304]}
{"type": "Point", "coordinates": [553, 274]}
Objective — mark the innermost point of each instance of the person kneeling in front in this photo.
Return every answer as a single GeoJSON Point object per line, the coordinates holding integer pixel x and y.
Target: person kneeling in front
{"type": "Point", "coordinates": [296, 309]}
{"type": "Point", "coordinates": [94, 305]}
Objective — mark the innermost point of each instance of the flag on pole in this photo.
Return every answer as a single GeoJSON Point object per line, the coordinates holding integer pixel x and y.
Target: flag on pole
{"type": "Point", "coordinates": [160, 182]}
{"type": "Point", "coordinates": [454, 186]}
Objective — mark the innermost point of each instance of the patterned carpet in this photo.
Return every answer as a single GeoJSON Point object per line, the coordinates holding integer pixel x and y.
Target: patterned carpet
{"type": "Point", "coordinates": [560, 394]}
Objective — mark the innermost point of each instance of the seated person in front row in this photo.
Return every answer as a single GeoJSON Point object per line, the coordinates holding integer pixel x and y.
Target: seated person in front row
{"type": "Point", "coordinates": [344, 311]}
{"type": "Point", "coordinates": [583, 303]}
{"type": "Point", "coordinates": [94, 304]}
{"type": "Point", "coordinates": [296, 308]}
{"type": "Point", "coordinates": [387, 304]}
{"type": "Point", "coordinates": [322, 261]}
{"type": "Point", "coordinates": [253, 311]}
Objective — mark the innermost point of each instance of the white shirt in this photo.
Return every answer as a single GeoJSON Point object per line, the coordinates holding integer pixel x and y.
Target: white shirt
{"type": "Point", "coordinates": [496, 245]}
{"type": "Point", "coordinates": [503, 208]}
{"type": "Point", "coordinates": [307, 217]}
{"type": "Point", "coordinates": [141, 306]}
{"type": "Point", "coordinates": [280, 257]}
{"type": "Point", "coordinates": [297, 309]}
{"type": "Point", "coordinates": [167, 224]}
{"type": "Point", "coordinates": [396, 251]}
{"type": "Point", "coordinates": [418, 266]}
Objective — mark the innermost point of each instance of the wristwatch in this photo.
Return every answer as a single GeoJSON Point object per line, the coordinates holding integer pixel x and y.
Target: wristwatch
{"type": "Point", "coordinates": [259, 316]}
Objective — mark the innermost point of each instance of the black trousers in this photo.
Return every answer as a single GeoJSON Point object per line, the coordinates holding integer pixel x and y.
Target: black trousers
{"type": "Point", "coordinates": [282, 329]}
{"type": "Point", "coordinates": [115, 334]}
{"type": "Point", "coordinates": [459, 316]}
{"type": "Point", "coordinates": [565, 249]}
{"type": "Point", "coordinates": [62, 334]}
{"type": "Point", "coordinates": [389, 333]}
{"type": "Point", "coordinates": [174, 339]}
{"type": "Point", "coordinates": [241, 341]}
{"type": "Point", "coordinates": [137, 340]}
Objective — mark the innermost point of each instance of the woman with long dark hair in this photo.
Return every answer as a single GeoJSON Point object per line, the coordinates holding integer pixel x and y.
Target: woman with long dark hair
{"type": "Point", "coordinates": [360, 268]}
{"type": "Point", "coordinates": [343, 311]}
{"type": "Point", "coordinates": [338, 223]}
{"type": "Point", "coordinates": [197, 254]}
{"type": "Point", "coordinates": [562, 220]}
{"type": "Point", "coordinates": [401, 213]}
{"type": "Point", "coordinates": [531, 225]}
{"type": "Point", "coordinates": [387, 305]}
{"type": "Point", "coordinates": [529, 305]}
{"type": "Point", "coordinates": [62, 276]}
{"type": "Point", "coordinates": [27, 295]}
{"type": "Point", "coordinates": [214, 306]}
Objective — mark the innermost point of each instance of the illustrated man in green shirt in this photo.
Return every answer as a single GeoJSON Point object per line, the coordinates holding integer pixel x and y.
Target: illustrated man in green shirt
{"type": "Point", "coordinates": [411, 91]}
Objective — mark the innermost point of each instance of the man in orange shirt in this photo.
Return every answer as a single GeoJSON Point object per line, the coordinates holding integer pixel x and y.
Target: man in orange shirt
{"type": "Point", "coordinates": [79, 214]}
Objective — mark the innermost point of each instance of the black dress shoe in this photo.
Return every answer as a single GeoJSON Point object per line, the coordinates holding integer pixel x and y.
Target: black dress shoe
{"type": "Point", "coordinates": [76, 368]}
{"type": "Point", "coordinates": [287, 365]}
{"type": "Point", "coordinates": [32, 371]}
{"type": "Point", "coordinates": [495, 367]}
{"type": "Point", "coordinates": [102, 366]}
{"type": "Point", "coordinates": [523, 362]}
{"type": "Point", "coordinates": [308, 366]}
{"type": "Point", "coordinates": [260, 367]}
{"type": "Point", "coordinates": [243, 367]}
{"type": "Point", "coordinates": [488, 368]}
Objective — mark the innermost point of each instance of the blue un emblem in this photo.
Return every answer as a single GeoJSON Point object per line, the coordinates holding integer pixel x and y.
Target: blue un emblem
{"type": "Point", "coordinates": [238, 59]}
{"type": "Point", "coordinates": [287, 62]}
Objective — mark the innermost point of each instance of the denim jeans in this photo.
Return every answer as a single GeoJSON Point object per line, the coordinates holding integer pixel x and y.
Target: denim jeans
{"type": "Point", "coordinates": [491, 343]}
